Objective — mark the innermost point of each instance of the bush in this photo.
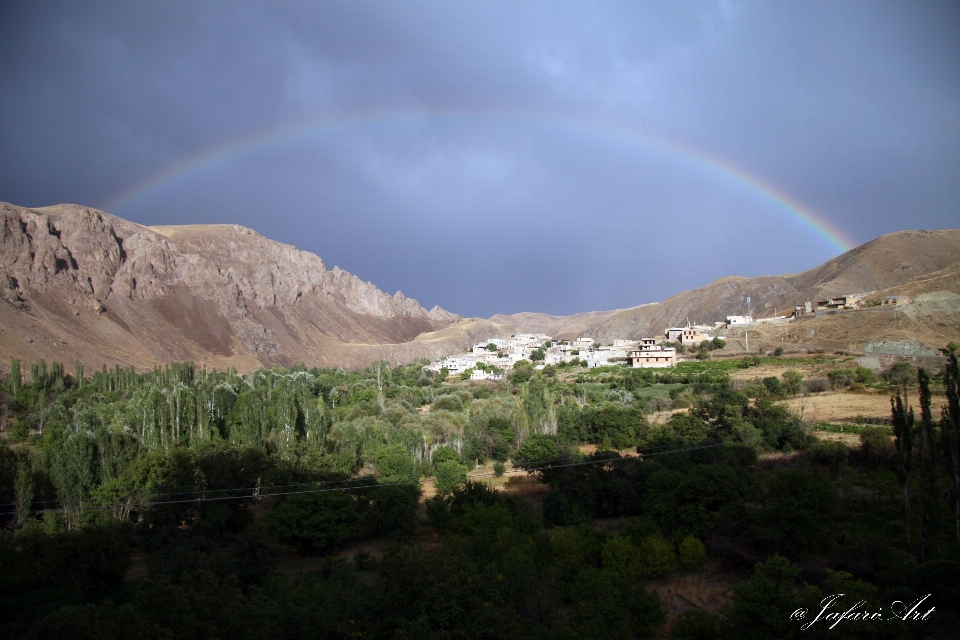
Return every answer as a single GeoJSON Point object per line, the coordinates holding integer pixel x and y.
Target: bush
{"type": "Point", "coordinates": [830, 454]}
{"type": "Point", "coordinates": [449, 402]}
{"type": "Point", "coordinates": [792, 381]}
{"type": "Point", "coordinates": [839, 378]}
{"type": "Point", "coordinates": [773, 386]}
{"type": "Point", "coordinates": [449, 474]}
{"type": "Point", "coordinates": [536, 450]}
{"type": "Point", "coordinates": [499, 468]}
{"type": "Point", "coordinates": [816, 385]}
{"type": "Point", "coordinates": [316, 521]}
{"type": "Point", "coordinates": [622, 558]}
{"type": "Point", "coordinates": [395, 464]}
{"type": "Point", "coordinates": [438, 513]}
{"type": "Point", "coordinates": [19, 431]}
{"type": "Point", "coordinates": [657, 556]}
{"type": "Point", "coordinates": [778, 351]}
{"type": "Point", "coordinates": [693, 554]}
{"type": "Point", "coordinates": [393, 511]}
{"type": "Point", "coordinates": [443, 454]}
{"type": "Point", "coordinates": [876, 446]}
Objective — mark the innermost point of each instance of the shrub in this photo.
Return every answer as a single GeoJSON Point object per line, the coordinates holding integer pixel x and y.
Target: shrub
{"type": "Point", "coordinates": [499, 468]}
{"type": "Point", "coordinates": [316, 521]}
{"type": "Point", "coordinates": [657, 556]}
{"type": "Point", "coordinates": [393, 511]}
{"type": "Point", "coordinates": [536, 450]}
{"type": "Point", "coordinates": [449, 475]}
{"type": "Point", "coordinates": [443, 454]}
{"type": "Point", "coordinates": [832, 455]}
{"type": "Point", "coordinates": [448, 402]}
{"type": "Point", "coordinates": [693, 554]}
{"type": "Point", "coordinates": [792, 381]}
{"type": "Point", "coordinates": [622, 558]}
{"type": "Point", "coordinates": [19, 431]}
{"type": "Point", "coordinates": [395, 464]}
{"type": "Point", "coordinates": [778, 351]}
{"type": "Point", "coordinates": [773, 386]}
{"type": "Point", "coordinates": [816, 385]}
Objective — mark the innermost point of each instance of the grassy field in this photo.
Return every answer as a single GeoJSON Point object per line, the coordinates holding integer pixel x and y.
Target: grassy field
{"type": "Point", "coordinates": [655, 390]}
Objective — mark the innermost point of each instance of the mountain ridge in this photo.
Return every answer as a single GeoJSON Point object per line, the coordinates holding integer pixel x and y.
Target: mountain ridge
{"type": "Point", "coordinates": [81, 284]}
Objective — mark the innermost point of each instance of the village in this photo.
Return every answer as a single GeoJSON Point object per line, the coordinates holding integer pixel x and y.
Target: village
{"type": "Point", "coordinates": [489, 359]}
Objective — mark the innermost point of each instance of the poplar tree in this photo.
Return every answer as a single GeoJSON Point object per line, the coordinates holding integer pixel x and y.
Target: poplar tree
{"type": "Point", "coordinates": [929, 514]}
{"type": "Point", "coordinates": [16, 377]}
{"type": "Point", "coordinates": [950, 430]}
{"type": "Point", "coordinates": [903, 426]}
{"type": "Point", "coordinates": [23, 490]}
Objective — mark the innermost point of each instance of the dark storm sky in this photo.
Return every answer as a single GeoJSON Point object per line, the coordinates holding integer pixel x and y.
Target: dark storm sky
{"type": "Point", "coordinates": [496, 157]}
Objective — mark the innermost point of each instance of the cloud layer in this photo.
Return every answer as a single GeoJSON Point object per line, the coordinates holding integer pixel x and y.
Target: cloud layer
{"type": "Point", "coordinates": [495, 157]}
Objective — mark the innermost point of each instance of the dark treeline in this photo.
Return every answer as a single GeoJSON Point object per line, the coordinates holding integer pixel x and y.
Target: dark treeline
{"type": "Point", "coordinates": [208, 483]}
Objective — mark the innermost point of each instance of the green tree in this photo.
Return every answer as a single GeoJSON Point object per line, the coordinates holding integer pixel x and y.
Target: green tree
{"type": "Point", "coordinates": [950, 428]}
{"type": "Point", "coordinates": [94, 560]}
{"type": "Point", "coordinates": [536, 451]}
{"type": "Point", "coordinates": [900, 375]}
{"type": "Point", "coordinates": [929, 507]}
{"type": "Point", "coordinates": [395, 464]}
{"type": "Point", "coordinates": [793, 381]}
{"type": "Point", "coordinates": [657, 556]}
{"type": "Point", "coordinates": [621, 557]}
{"type": "Point", "coordinates": [903, 430]}
{"type": "Point", "coordinates": [23, 488]}
{"type": "Point", "coordinates": [393, 511]}
{"type": "Point", "coordinates": [449, 474]}
{"type": "Point", "coordinates": [693, 554]}
{"type": "Point", "coordinates": [762, 607]}
{"type": "Point", "coordinates": [316, 521]}
{"type": "Point", "coordinates": [798, 506]}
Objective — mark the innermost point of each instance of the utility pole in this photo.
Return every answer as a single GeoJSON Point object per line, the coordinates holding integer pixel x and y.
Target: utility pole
{"type": "Point", "coordinates": [746, 334]}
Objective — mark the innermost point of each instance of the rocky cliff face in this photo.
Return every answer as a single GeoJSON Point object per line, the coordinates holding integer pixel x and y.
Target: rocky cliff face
{"type": "Point", "coordinates": [115, 291]}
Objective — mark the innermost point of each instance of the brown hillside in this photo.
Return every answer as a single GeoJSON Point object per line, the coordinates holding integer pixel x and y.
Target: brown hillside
{"type": "Point", "coordinates": [886, 262]}
{"type": "Point", "coordinates": [77, 283]}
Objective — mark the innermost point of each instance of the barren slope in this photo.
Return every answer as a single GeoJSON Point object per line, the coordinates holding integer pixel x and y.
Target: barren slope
{"type": "Point", "coordinates": [886, 262]}
{"type": "Point", "coordinates": [77, 283]}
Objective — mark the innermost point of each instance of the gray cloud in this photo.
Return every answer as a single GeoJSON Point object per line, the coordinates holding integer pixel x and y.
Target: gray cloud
{"type": "Point", "coordinates": [497, 157]}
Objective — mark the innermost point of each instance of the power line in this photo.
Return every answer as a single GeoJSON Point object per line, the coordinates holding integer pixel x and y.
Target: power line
{"type": "Point", "coordinates": [640, 457]}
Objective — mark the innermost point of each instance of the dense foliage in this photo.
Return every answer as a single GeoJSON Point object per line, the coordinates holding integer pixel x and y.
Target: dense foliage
{"type": "Point", "coordinates": [185, 502]}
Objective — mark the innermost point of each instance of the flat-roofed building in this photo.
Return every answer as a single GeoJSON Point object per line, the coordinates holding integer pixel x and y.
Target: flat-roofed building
{"type": "Point", "coordinates": [674, 333]}
{"type": "Point", "coordinates": [693, 336]}
{"type": "Point", "coordinates": [655, 358]}
{"type": "Point", "coordinates": [895, 301]}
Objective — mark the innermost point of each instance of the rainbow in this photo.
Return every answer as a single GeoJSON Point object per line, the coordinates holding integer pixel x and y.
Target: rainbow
{"type": "Point", "coordinates": [726, 171]}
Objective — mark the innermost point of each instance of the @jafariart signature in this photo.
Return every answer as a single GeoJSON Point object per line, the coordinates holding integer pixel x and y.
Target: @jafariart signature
{"type": "Point", "coordinates": [832, 612]}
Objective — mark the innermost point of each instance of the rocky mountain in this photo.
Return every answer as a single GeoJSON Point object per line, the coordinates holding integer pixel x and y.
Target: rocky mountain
{"type": "Point", "coordinates": [81, 284]}
{"type": "Point", "coordinates": [77, 283]}
{"type": "Point", "coordinates": [889, 261]}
